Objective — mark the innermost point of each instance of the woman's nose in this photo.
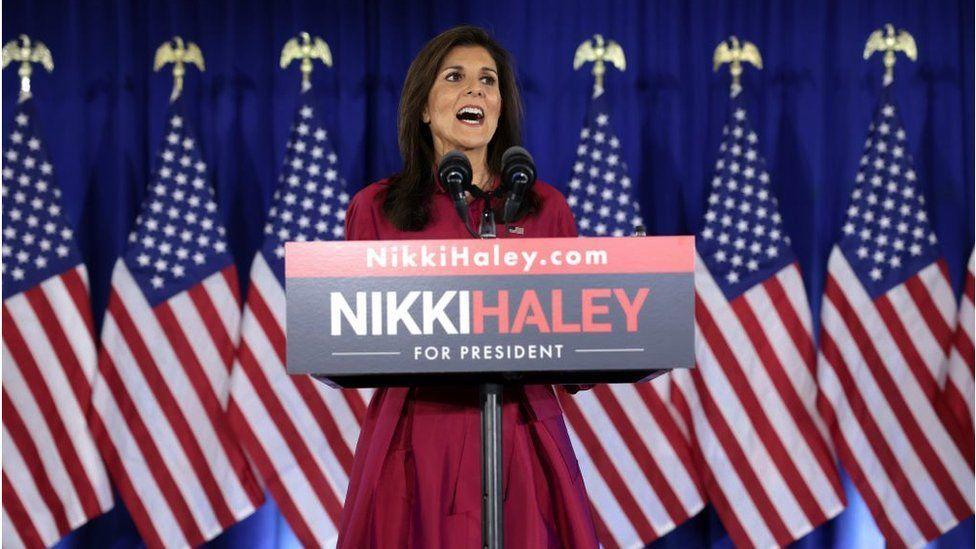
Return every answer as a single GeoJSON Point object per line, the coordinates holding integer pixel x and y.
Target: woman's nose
{"type": "Point", "coordinates": [477, 91]}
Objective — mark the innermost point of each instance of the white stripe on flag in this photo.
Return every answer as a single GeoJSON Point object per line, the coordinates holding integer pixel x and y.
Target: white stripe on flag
{"type": "Point", "coordinates": [193, 410]}
{"type": "Point", "coordinates": [602, 499]}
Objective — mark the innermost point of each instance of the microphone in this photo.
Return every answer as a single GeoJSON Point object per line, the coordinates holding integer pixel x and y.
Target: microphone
{"type": "Point", "coordinates": [454, 171]}
{"type": "Point", "coordinates": [518, 175]}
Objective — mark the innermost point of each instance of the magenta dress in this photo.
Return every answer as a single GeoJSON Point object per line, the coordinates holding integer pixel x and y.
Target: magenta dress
{"type": "Point", "coordinates": [416, 476]}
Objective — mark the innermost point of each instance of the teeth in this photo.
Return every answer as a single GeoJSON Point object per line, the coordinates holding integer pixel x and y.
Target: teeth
{"type": "Point", "coordinates": [471, 110]}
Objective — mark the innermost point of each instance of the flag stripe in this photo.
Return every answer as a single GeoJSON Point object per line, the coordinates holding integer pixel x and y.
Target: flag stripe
{"type": "Point", "coordinates": [210, 315]}
{"type": "Point", "coordinates": [160, 467]}
{"type": "Point", "coordinates": [720, 470]}
{"type": "Point", "coordinates": [40, 434]}
{"type": "Point", "coordinates": [607, 469]}
{"type": "Point", "coordinates": [908, 403]}
{"type": "Point", "coordinates": [15, 513]}
{"type": "Point", "coordinates": [675, 452]}
{"type": "Point", "coordinates": [816, 506]}
{"type": "Point", "coordinates": [56, 408]}
{"type": "Point", "coordinates": [608, 511]}
{"type": "Point", "coordinates": [854, 446]}
{"type": "Point", "coordinates": [930, 312]}
{"type": "Point", "coordinates": [607, 429]}
{"type": "Point", "coordinates": [626, 420]}
{"type": "Point", "coordinates": [170, 406]}
{"type": "Point", "coordinates": [76, 283]}
{"type": "Point", "coordinates": [292, 437]}
{"type": "Point", "coordinates": [200, 347]}
{"type": "Point", "coordinates": [280, 488]}
{"type": "Point", "coordinates": [796, 326]}
{"type": "Point", "coordinates": [930, 389]}
{"type": "Point", "coordinates": [322, 415]}
{"type": "Point", "coordinates": [136, 467]}
{"type": "Point", "coordinates": [786, 485]}
{"type": "Point", "coordinates": [852, 339]}
{"type": "Point", "coordinates": [30, 472]}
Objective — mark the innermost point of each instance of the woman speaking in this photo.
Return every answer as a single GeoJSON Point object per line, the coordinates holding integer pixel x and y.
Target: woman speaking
{"type": "Point", "coordinates": [416, 478]}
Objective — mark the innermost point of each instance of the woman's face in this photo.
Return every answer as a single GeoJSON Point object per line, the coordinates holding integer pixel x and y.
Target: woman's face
{"type": "Point", "coordinates": [464, 104]}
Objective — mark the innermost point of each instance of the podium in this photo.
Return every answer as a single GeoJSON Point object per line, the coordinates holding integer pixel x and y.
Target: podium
{"type": "Point", "coordinates": [490, 312]}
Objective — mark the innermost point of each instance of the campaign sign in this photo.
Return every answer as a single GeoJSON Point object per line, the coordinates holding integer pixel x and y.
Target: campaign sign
{"type": "Point", "coordinates": [478, 306]}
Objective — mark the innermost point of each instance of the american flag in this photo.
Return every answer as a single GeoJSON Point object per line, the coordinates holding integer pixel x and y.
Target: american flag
{"type": "Point", "coordinates": [53, 478]}
{"type": "Point", "coordinates": [887, 318]}
{"type": "Point", "coordinates": [631, 448]}
{"type": "Point", "coordinates": [600, 190]}
{"type": "Point", "coordinates": [168, 343]}
{"type": "Point", "coordinates": [760, 447]}
{"type": "Point", "coordinates": [300, 434]}
{"type": "Point", "coordinates": [959, 387]}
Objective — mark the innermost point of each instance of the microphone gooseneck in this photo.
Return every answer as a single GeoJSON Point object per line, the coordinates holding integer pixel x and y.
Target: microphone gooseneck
{"type": "Point", "coordinates": [518, 175]}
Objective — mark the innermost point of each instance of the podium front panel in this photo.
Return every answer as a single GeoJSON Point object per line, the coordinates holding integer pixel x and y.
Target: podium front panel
{"type": "Point", "coordinates": [471, 307]}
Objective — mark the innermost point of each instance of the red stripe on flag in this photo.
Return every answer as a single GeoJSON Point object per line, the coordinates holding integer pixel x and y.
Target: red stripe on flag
{"type": "Point", "coordinates": [930, 311]}
{"type": "Point", "coordinates": [656, 478]}
{"type": "Point", "coordinates": [59, 344]}
{"type": "Point", "coordinates": [289, 433]}
{"type": "Point", "coordinates": [41, 393]}
{"type": "Point", "coordinates": [147, 446]}
{"type": "Point", "coordinates": [230, 277]}
{"type": "Point", "coordinates": [78, 291]}
{"type": "Point", "coordinates": [932, 392]}
{"type": "Point", "coordinates": [672, 433]}
{"type": "Point", "coordinates": [268, 472]}
{"type": "Point", "coordinates": [356, 404]}
{"type": "Point", "coordinates": [607, 469]}
{"type": "Point", "coordinates": [791, 321]}
{"type": "Point", "coordinates": [21, 519]}
{"type": "Point", "coordinates": [20, 434]}
{"type": "Point", "coordinates": [851, 465]}
{"type": "Point", "coordinates": [303, 384]}
{"type": "Point", "coordinates": [123, 482]}
{"type": "Point", "coordinates": [730, 520]}
{"type": "Point", "coordinates": [214, 409]}
{"type": "Point", "coordinates": [964, 346]}
{"type": "Point", "coordinates": [215, 326]}
{"type": "Point", "coordinates": [170, 408]}
{"type": "Point", "coordinates": [860, 408]}
{"type": "Point", "coordinates": [602, 532]}
{"type": "Point", "coordinates": [737, 458]}
{"type": "Point", "coordinates": [757, 416]}
{"type": "Point", "coordinates": [846, 455]}
{"type": "Point", "coordinates": [794, 405]}
{"type": "Point", "coordinates": [79, 385]}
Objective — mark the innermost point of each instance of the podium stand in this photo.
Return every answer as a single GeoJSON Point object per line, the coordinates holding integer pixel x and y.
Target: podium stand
{"type": "Point", "coordinates": [490, 312]}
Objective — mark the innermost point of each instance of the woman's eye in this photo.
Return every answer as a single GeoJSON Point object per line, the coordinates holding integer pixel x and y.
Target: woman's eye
{"type": "Point", "coordinates": [488, 80]}
{"type": "Point", "coordinates": [453, 76]}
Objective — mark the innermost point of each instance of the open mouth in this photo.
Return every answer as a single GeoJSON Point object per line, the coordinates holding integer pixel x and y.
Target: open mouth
{"type": "Point", "coordinates": [472, 116]}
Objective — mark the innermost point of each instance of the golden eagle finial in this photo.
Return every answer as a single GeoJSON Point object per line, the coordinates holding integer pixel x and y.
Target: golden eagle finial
{"type": "Point", "coordinates": [734, 53]}
{"type": "Point", "coordinates": [887, 41]}
{"type": "Point", "coordinates": [25, 53]}
{"type": "Point", "coordinates": [306, 49]}
{"type": "Point", "coordinates": [178, 54]}
{"type": "Point", "coordinates": [599, 52]}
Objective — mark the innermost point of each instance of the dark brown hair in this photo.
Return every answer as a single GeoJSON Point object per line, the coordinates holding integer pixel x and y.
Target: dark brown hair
{"type": "Point", "coordinates": [407, 203]}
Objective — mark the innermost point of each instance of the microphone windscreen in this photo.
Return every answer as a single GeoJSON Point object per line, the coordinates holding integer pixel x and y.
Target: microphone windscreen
{"type": "Point", "coordinates": [513, 152]}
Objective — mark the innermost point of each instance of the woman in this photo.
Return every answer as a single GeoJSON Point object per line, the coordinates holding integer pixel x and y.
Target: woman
{"type": "Point", "coordinates": [416, 478]}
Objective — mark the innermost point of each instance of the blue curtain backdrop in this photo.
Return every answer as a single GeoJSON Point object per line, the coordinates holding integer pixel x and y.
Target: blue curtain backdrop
{"type": "Point", "coordinates": [102, 113]}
